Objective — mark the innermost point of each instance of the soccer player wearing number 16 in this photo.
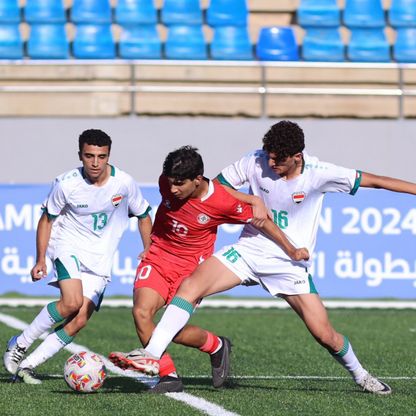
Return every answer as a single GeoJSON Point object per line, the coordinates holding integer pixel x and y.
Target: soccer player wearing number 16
{"type": "Point", "coordinates": [292, 185]}
{"type": "Point", "coordinates": [85, 215]}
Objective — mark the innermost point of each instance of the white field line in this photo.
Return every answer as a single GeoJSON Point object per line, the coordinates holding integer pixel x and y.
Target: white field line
{"type": "Point", "coordinates": [193, 401]}
{"type": "Point", "coordinates": [236, 303]}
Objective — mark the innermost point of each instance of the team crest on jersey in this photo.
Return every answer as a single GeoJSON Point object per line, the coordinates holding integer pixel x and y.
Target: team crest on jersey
{"type": "Point", "coordinates": [116, 200]}
{"type": "Point", "coordinates": [298, 197]}
{"type": "Point", "coordinates": [203, 218]}
{"type": "Point", "coordinates": [239, 209]}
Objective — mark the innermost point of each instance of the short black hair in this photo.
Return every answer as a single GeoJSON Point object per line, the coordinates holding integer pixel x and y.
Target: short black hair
{"type": "Point", "coordinates": [183, 163]}
{"type": "Point", "coordinates": [285, 139]}
{"type": "Point", "coordinates": [94, 137]}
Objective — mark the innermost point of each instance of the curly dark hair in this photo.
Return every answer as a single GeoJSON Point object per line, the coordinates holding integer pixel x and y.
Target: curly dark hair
{"type": "Point", "coordinates": [284, 139]}
{"type": "Point", "coordinates": [94, 137]}
{"type": "Point", "coordinates": [183, 163]}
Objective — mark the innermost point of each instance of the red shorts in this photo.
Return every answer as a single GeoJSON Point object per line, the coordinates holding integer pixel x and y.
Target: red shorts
{"type": "Point", "coordinates": [164, 272]}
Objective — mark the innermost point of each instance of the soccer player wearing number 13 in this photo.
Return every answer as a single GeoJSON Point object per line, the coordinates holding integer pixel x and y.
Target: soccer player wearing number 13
{"type": "Point", "coordinates": [292, 185]}
{"type": "Point", "coordinates": [85, 215]}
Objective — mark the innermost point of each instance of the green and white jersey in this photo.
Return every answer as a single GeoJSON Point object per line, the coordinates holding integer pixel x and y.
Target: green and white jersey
{"type": "Point", "coordinates": [295, 205]}
{"type": "Point", "coordinates": [91, 219]}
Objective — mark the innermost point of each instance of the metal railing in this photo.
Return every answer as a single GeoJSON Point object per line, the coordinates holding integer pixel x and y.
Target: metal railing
{"type": "Point", "coordinates": [263, 89]}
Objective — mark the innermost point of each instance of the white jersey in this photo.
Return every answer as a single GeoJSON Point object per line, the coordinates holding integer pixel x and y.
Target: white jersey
{"type": "Point", "coordinates": [91, 219]}
{"type": "Point", "coordinates": [295, 204]}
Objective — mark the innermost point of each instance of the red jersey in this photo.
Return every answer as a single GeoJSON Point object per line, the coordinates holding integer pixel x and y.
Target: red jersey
{"type": "Point", "coordinates": [189, 227]}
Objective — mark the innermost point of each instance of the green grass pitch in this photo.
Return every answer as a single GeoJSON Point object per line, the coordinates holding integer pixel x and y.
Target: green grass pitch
{"type": "Point", "coordinates": [278, 369]}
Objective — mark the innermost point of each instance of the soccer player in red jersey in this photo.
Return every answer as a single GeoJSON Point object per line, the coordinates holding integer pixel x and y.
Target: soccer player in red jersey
{"type": "Point", "coordinates": [183, 235]}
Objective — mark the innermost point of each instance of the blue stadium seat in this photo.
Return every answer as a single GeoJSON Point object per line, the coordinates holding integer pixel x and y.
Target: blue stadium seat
{"type": "Point", "coordinates": [404, 48]}
{"type": "Point", "coordinates": [277, 44]}
{"type": "Point", "coordinates": [231, 42]}
{"type": "Point", "coordinates": [185, 42]}
{"type": "Point", "coordinates": [323, 44]}
{"type": "Point", "coordinates": [91, 11]}
{"type": "Point", "coordinates": [11, 45]}
{"type": "Point", "coordinates": [45, 11]}
{"type": "Point", "coordinates": [48, 41]}
{"type": "Point", "coordinates": [140, 42]}
{"type": "Point", "coordinates": [402, 13]}
{"type": "Point", "coordinates": [9, 11]}
{"type": "Point", "coordinates": [181, 12]}
{"type": "Point", "coordinates": [227, 13]}
{"type": "Point", "coordinates": [318, 13]}
{"type": "Point", "coordinates": [368, 45]}
{"type": "Point", "coordinates": [93, 42]}
{"type": "Point", "coordinates": [136, 11]}
{"type": "Point", "coordinates": [364, 13]}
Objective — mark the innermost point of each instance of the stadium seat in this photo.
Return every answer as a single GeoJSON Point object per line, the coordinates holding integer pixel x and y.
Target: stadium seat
{"type": "Point", "coordinates": [91, 11]}
{"type": "Point", "coordinates": [140, 42]}
{"type": "Point", "coordinates": [404, 48]}
{"type": "Point", "coordinates": [277, 44]}
{"type": "Point", "coordinates": [227, 13]}
{"type": "Point", "coordinates": [318, 13]}
{"type": "Point", "coordinates": [9, 11]}
{"type": "Point", "coordinates": [45, 11]}
{"type": "Point", "coordinates": [48, 41]}
{"type": "Point", "coordinates": [11, 45]}
{"type": "Point", "coordinates": [323, 44]}
{"type": "Point", "coordinates": [368, 45]}
{"type": "Point", "coordinates": [181, 12]}
{"type": "Point", "coordinates": [402, 13]}
{"type": "Point", "coordinates": [93, 42]}
{"type": "Point", "coordinates": [364, 13]}
{"type": "Point", "coordinates": [185, 42]}
{"type": "Point", "coordinates": [231, 42]}
{"type": "Point", "coordinates": [136, 11]}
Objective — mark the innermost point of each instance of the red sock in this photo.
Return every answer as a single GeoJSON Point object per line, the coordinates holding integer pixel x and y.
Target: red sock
{"type": "Point", "coordinates": [166, 365]}
{"type": "Point", "coordinates": [211, 344]}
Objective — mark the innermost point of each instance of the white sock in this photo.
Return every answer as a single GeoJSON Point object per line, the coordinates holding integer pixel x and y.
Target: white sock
{"type": "Point", "coordinates": [53, 343]}
{"type": "Point", "coordinates": [46, 319]}
{"type": "Point", "coordinates": [347, 358]}
{"type": "Point", "coordinates": [176, 316]}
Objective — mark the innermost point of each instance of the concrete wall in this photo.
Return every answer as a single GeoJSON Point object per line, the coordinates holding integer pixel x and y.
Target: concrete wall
{"type": "Point", "coordinates": [36, 150]}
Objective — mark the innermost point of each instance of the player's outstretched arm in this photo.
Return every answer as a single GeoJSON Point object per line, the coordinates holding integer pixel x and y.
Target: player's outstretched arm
{"type": "Point", "coordinates": [43, 234]}
{"type": "Point", "coordinates": [279, 237]}
{"type": "Point", "coordinates": [369, 180]}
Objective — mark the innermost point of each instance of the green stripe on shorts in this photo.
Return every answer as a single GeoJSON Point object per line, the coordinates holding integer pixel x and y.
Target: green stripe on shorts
{"type": "Point", "coordinates": [61, 271]}
{"type": "Point", "coordinates": [312, 287]}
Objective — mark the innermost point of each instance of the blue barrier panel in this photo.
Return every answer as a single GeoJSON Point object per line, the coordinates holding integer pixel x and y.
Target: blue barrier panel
{"type": "Point", "coordinates": [366, 245]}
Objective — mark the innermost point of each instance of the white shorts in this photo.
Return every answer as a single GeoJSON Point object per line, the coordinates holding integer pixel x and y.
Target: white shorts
{"type": "Point", "coordinates": [277, 276]}
{"type": "Point", "coordinates": [69, 267]}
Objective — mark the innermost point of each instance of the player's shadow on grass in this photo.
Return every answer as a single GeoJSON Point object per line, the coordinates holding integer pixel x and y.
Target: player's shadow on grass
{"type": "Point", "coordinates": [114, 385]}
{"type": "Point", "coordinates": [304, 386]}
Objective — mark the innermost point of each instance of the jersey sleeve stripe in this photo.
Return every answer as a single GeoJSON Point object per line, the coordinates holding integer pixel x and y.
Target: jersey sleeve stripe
{"type": "Point", "coordinates": [220, 178]}
{"type": "Point", "coordinates": [50, 216]}
{"type": "Point", "coordinates": [357, 182]}
{"type": "Point", "coordinates": [141, 216]}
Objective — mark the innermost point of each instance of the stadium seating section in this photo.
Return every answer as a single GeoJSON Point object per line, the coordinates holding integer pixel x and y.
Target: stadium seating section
{"type": "Point", "coordinates": [309, 30]}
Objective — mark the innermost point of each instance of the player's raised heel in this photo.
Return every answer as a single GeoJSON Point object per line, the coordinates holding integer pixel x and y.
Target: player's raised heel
{"type": "Point", "coordinates": [137, 360]}
{"type": "Point", "coordinates": [220, 363]}
{"type": "Point", "coordinates": [13, 356]}
{"type": "Point", "coordinates": [373, 385]}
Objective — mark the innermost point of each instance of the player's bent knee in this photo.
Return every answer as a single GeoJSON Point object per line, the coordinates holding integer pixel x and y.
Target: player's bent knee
{"type": "Point", "coordinates": [141, 314]}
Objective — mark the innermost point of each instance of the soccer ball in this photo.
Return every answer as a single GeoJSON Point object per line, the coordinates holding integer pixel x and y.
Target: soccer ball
{"type": "Point", "coordinates": [84, 372]}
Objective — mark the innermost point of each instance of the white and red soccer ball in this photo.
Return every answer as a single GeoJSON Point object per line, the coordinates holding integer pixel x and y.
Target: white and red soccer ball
{"type": "Point", "coordinates": [85, 372]}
